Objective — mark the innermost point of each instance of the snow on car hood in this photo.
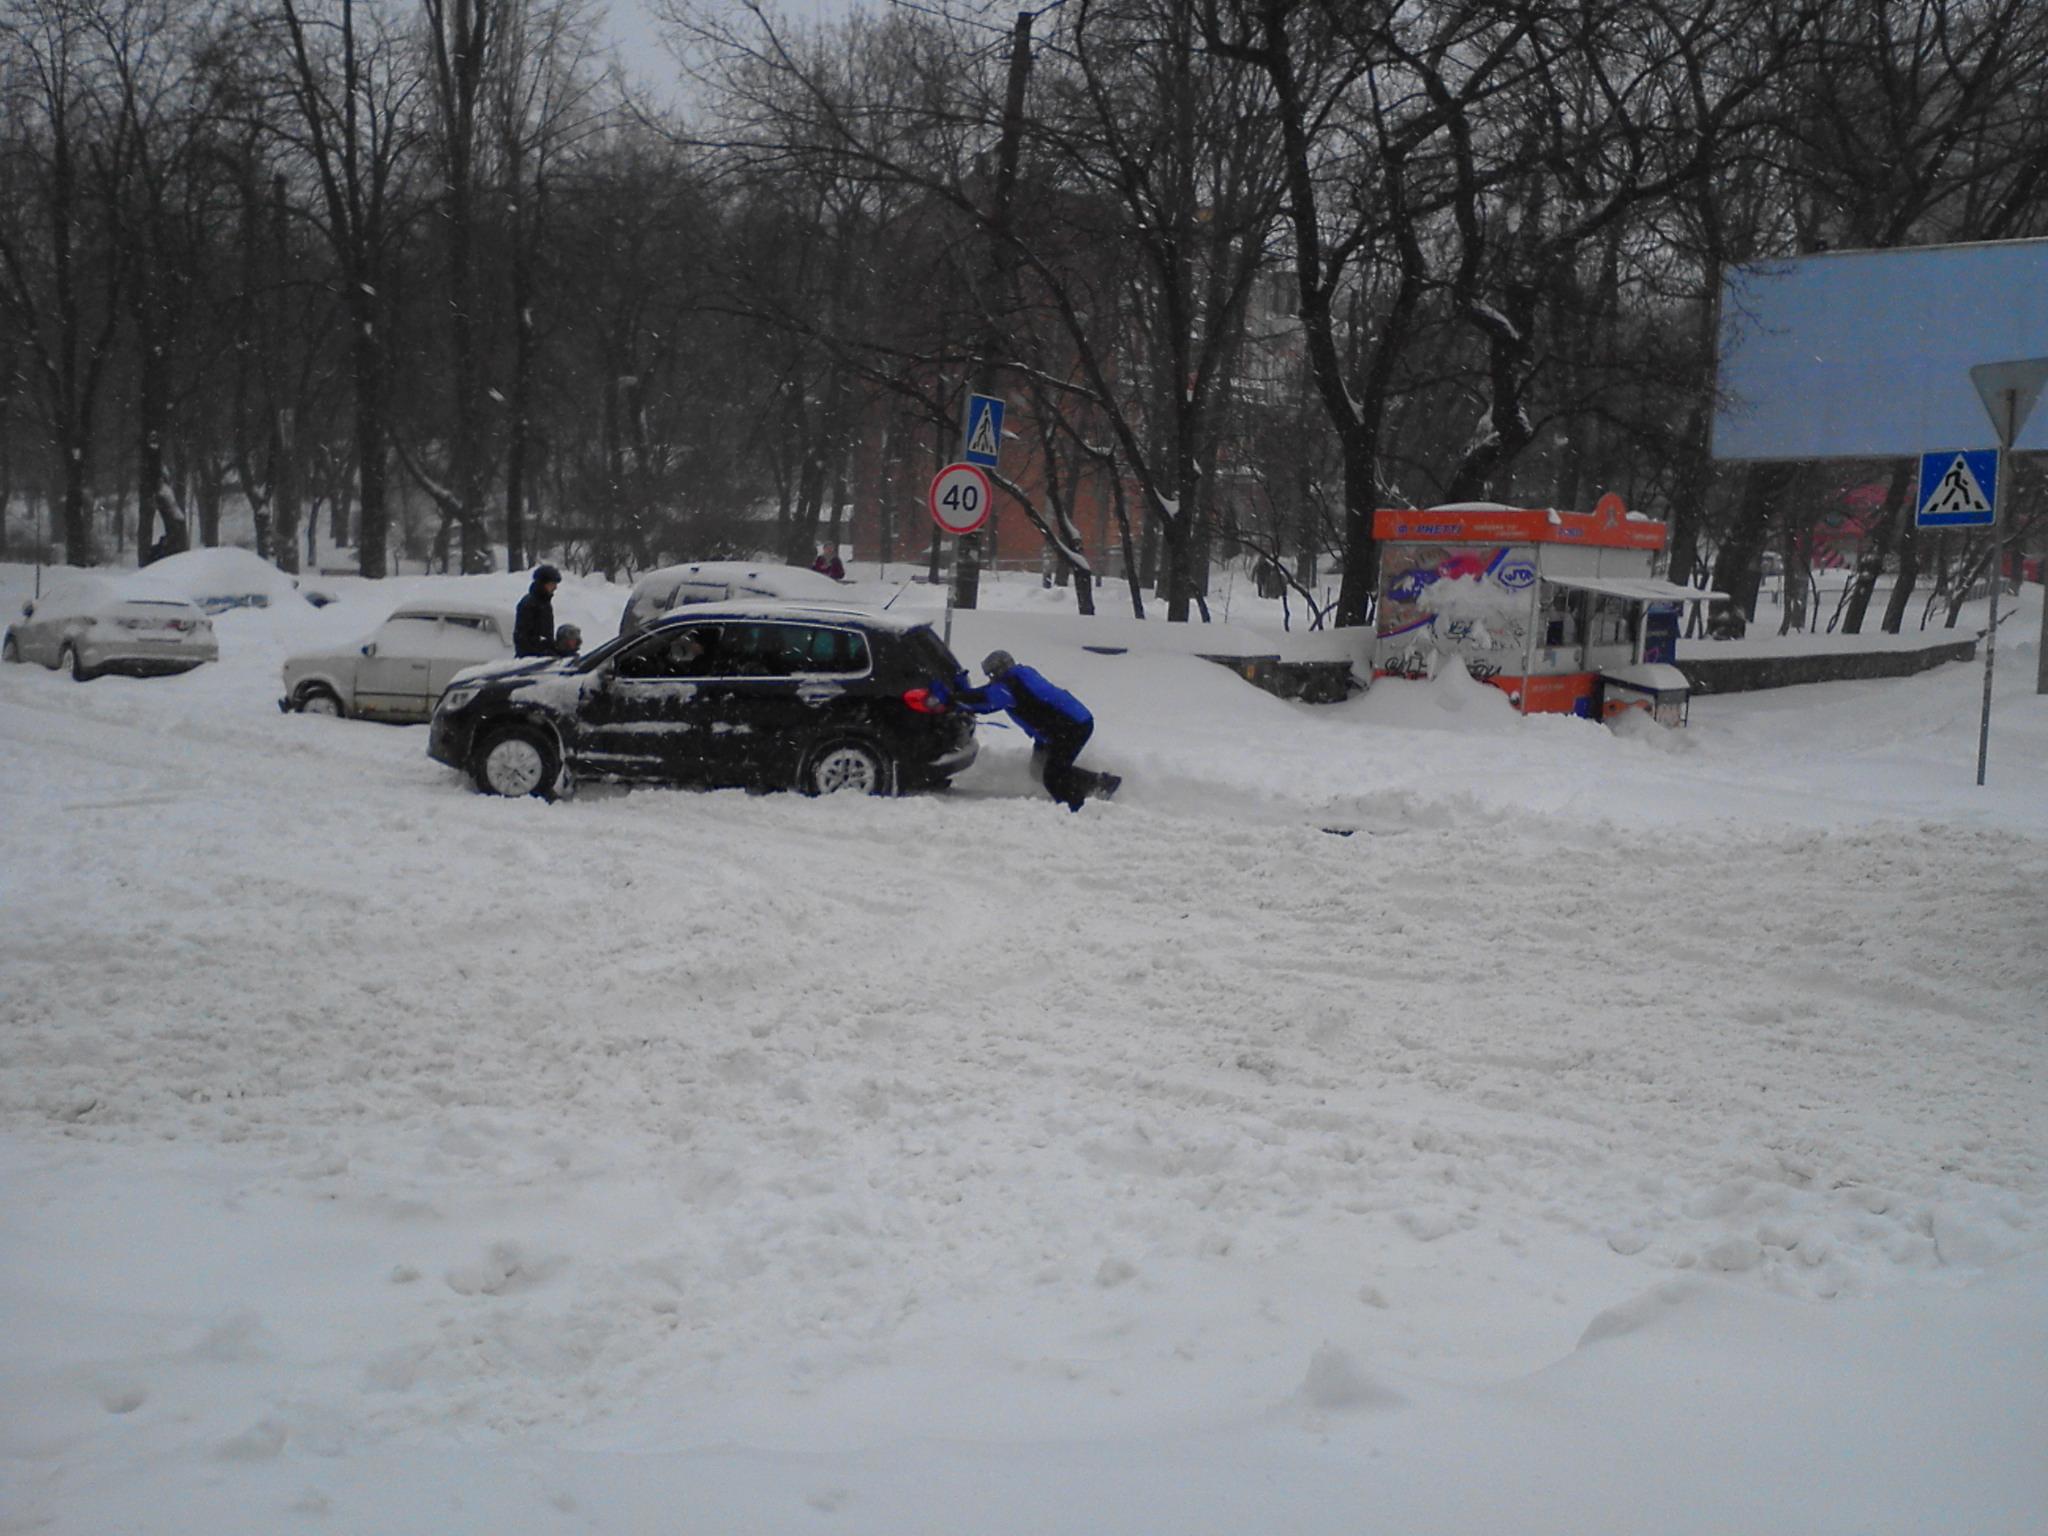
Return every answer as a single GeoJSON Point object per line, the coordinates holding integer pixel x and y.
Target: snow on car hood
{"type": "Point", "coordinates": [507, 667]}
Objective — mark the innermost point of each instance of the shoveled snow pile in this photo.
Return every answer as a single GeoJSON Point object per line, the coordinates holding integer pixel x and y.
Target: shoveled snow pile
{"type": "Point", "coordinates": [1388, 1116]}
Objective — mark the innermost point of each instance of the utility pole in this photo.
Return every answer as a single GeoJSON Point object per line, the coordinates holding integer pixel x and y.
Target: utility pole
{"type": "Point", "coordinates": [967, 550]}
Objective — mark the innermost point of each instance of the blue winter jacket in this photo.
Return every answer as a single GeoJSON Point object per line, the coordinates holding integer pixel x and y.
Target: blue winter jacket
{"type": "Point", "coordinates": [1041, 709]}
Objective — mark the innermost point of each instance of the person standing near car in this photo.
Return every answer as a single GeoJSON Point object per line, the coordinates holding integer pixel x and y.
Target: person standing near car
{"type": "Point", "coordinates": [1058, 722]}
{"type": "Point", "coordinates": [533, 625]}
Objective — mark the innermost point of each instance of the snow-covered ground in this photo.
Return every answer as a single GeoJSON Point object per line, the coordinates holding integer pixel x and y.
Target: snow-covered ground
{"type": "Point", "coordinates": [1394, 1116]}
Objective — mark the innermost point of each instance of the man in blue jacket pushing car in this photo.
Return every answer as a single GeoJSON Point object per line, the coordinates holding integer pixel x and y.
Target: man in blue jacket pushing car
{"type": "Point", "coordinates": [1052, 717]}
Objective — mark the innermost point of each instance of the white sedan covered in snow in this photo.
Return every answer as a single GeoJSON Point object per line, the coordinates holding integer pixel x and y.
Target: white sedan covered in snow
{"type": "Point", "coordinates": [87, 623]}
{"type": "Point", "coordinates": [401, 670]}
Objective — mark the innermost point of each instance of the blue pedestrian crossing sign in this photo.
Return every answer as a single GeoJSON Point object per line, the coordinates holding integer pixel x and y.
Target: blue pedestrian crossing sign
{"type": "Point", "coordinates": [1958, 489]}
{"type": "Point", "coordinates": [984, 443]}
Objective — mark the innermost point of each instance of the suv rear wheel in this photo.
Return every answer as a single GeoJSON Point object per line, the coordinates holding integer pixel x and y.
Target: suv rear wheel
{"type": "Point", "coordinates": [515, 761]}
{"type": "Point", "coordinates": [853, 766]}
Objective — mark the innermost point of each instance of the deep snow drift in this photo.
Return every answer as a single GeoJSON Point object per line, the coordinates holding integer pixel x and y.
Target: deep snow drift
{"type": "Point", "coordinates": [1394, 1116]}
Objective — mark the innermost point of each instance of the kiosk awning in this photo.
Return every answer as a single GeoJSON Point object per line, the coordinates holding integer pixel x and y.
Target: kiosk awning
{"type": "Point", "coordinates": [1636, 589]}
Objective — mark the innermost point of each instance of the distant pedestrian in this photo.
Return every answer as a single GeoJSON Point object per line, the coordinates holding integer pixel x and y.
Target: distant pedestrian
{"type": "Point", "coordinates": [533, 625]}
{"type": "Point", "coordinates": [828, 562]}
{"type": "Point", "coordinates": [568, 640]}
{"type": "Point", "coordinates": [1058, 722]}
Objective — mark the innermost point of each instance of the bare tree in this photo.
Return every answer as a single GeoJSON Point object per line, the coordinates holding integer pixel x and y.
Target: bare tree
{"type": "Point", "coordinates": [351, 87]}
{"type": "Point", "coordinates": [60, 252]}
{"type": "Point", "coordinates": [1920, 121]}
{"type": "Point", "coordinates": [465, 47]}
{"type": "Point", "coordinates": [541, 104]}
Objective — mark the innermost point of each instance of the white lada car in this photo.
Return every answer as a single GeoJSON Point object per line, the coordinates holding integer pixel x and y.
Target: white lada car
{"type": "Point", "coordinates": [400, 671]}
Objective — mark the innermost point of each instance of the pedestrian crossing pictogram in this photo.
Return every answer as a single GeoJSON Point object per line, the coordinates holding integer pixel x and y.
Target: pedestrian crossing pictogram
{"type": "Point", "coordinates": [1958, 489]}
{"type": "Point", "coordinates": [984, 443]}
{"type": "Point", "coordinates": [984, 439]}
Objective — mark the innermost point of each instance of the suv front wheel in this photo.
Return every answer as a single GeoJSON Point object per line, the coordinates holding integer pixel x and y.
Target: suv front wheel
{"type": "Point", "coordinates": [515, 762]}
{"type": "Point", "coordinates": [853, 766]}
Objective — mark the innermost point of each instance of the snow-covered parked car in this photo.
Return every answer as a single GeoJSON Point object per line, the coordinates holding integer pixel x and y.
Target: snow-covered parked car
{"type": "Point", "coordinates": [219, 580]}
{"type": "Point", "coordinates": [723, 581]}
{"type": "Point", "coordinates": [398, 673]}
{"type": "Point", "coordinates": [87, 623]}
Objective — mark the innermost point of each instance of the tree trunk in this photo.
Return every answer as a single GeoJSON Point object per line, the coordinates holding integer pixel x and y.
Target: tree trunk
{"type": "Point", "coordinates": [152, 419]}
{"type": "Point", "coordinates": [208, 478]}
{"type": "Point", "coordinates": [1694, 483]}
{"type": "Point", "coordinates": [1738, 569]}
{"type": "Point", "coordinates": [284, 493]}
{"type": "Point", "coordinates": [1877, 548]}
{"type": "Point", "coordinates": [525, 353]}
{"type": "Point", "coordinates": [1909, 573]}
{"type": "Point", "coordinates": [340, 496]}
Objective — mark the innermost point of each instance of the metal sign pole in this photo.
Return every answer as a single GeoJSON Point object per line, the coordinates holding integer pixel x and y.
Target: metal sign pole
{"type": "Point", "coordinates": [1991, 634]}
{"type": "Point", "coordinates": [2008, 391]}
{"type": "Point", "coordinates": [951, 588]}
{"type": "Point", "coordinates": [962, 489]}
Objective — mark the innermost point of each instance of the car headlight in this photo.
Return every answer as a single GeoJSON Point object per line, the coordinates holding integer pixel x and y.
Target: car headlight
{"type": "Point", "coordinates": [460, 697]}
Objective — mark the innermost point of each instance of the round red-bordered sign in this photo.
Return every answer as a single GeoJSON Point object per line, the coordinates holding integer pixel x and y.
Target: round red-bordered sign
{"type": "Point", "coordinates": [960, 498]}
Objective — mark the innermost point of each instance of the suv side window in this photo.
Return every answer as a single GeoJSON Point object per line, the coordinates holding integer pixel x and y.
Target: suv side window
{"type": "Point", "coordinates": [792, 650]}
{"type": "Point", "coordinates": [676, 653]}
{"type": "Point", "coordinates": [834, 650]}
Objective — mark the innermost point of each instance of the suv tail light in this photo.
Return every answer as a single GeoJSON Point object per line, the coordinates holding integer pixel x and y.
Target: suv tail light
{"type": "Point", "coordinates": [921, 701]}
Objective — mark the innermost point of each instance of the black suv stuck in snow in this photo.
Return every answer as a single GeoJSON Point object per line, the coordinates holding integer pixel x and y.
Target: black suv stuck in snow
{"type": "Point", "coordinates": [765, 695]}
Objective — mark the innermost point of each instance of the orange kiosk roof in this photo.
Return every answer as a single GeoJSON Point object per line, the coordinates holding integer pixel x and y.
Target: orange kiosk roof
{"type": "Point", "coordinates": [1610, 525]}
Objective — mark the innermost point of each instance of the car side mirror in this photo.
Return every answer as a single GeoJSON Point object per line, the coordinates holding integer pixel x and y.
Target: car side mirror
{"type": "Point", "coordinates": [370, 649]}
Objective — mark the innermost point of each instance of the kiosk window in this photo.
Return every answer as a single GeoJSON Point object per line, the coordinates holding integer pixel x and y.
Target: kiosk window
{"type": "Point", "coordinates": [1611, 620]}
{"type": "Point", "coordinates": [1561, 620]}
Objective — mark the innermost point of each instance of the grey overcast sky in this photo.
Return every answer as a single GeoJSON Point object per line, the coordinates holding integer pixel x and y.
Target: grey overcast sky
{"type": "Point", "coordinates": [632, 25]}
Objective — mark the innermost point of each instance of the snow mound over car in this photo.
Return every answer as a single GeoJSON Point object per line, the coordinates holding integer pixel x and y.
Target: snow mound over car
{"type": "Point", "coordinates": [222, 579]}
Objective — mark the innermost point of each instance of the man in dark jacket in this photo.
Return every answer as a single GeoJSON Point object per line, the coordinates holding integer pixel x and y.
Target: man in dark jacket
{"type": "Point", "coordinates": [533, 626]}
{"type": "Point", "coordinates": [1052, 717]}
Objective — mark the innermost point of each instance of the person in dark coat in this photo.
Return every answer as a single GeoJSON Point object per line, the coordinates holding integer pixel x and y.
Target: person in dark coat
{"type": "Point", "coordinates": [828, 563]}
{"type": "Point", "coordinates": [533, 625]}
{"type": "Point", "coordinates": [1052, 717]}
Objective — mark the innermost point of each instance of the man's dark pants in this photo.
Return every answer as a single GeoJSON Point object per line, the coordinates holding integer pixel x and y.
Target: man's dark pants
{"type": "Point", "coordinates": [1063, 781]}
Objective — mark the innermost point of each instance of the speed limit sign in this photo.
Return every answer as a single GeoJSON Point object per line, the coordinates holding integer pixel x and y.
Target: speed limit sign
{"type": "Point", "coordinates": [960, 497]}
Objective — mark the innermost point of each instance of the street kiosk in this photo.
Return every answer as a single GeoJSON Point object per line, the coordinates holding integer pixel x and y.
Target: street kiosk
{"type": "Point", "coordinates": [1557, 609]}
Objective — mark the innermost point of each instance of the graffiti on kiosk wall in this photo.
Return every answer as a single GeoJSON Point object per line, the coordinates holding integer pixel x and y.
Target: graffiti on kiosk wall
{"type": "Point", "coordinates": [1471, 601]}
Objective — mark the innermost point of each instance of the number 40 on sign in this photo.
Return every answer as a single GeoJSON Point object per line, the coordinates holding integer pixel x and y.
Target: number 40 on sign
{"type": "Point", "coordinates": [960, 498]}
